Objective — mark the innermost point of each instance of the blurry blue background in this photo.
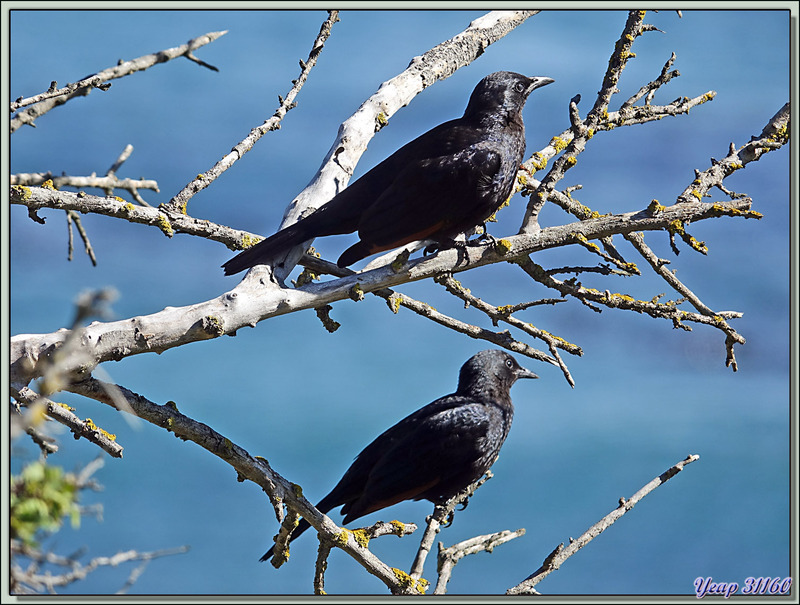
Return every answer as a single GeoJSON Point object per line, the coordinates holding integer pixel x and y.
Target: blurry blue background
{"type": "Point", "coordinates": [646, 396]}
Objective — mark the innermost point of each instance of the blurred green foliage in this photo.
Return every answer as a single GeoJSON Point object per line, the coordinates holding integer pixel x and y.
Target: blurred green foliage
{"type": "Point", "coordinates": [41, 497]}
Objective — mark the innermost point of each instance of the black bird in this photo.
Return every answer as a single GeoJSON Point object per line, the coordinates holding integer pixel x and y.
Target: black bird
{"type": "Point", "coordinates": [441, 184]}
{"type": "Point", "coordinates": [438, 450]}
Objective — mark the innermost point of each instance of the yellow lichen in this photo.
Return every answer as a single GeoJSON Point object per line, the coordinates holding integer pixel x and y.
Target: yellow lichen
{"type": "Point", "coordinates": [306, 277]}
{"type": "Point", "coordinates": [93, 427]}
{"type": "Point", "coordinates": [249, 242]}
{"type": "Point", "coordinates": [655, 208]}
{"type": "Point", "coordinates": [356, 293]}
{"type": "Point", "coordinates": [406, 581]}
{"type": "Point", "coordinates": [502, 246]}
{"type": "Point", "coordinates": [722, 210]}
{"type": "Point", "coordinates": [341, 538]}
{"type": "Point", "coordinates": [400, 261]}
{"type": "Point", "coordinates": [394, 302]}
{"type": "Point", "coordinates": [362, 537]}
{"type": "Point", "coordinates": [23, 192]}
{"type": "Point", "coordinates": [165, 226]}
{"type": "Point", "coordinates": [676, 226]}
{"type": "Point", "coordinates": [399, 527]}
{"type": "Point", "coordinates": [538, 161]}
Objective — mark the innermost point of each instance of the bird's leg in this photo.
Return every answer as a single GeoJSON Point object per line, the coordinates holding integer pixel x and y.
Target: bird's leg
{"type": "Point", "coordinates": [483, 237]}
{"type": "Point", "coordinates": [447, 244]}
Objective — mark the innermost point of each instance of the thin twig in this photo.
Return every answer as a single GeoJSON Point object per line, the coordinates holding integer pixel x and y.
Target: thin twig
{"type": "Point", "coordinates": [450, 556]}
{"type": "Point", "coordinates": [441, 512]}
{"type": "Point", "coordinates": [395, 300]}
{"type": "Point", "coordinates": [28, 581]}
{"type": "Point", "coordinates": [44, 102]}
{"type": "Point", "coordinates": [63, 414]}
{"type": "Point", "coordinates": [178, 203]}
{"type": "Point", "coordinates": [561, 554]}
{"type": "Point", "coordinates": [497, 314]}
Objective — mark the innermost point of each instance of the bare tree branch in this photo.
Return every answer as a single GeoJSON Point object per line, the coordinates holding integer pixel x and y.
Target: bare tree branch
{"type": "Point", "coordinates": [177, 205]}
{"type": "Point", "coordinates": [63, 414]}
{"type": "Point", "coordinates": [30, 581]}
{"type": "Point", "coordinates": [107, 183]}
{"type": "Point", "coordinates": [253, 468]}
{"type": "Point", "coordinates": [395, 300]}
{"type": "Point", "coordinates": [561, 554]}
{"type": "Point", "coordinates": [254, 300]}
{"type": "Point", "coordinates": [44, 102]}
{"type": "Point", "coordinates": [774, 135]}
{"type": "Point", "coordinates": [448, 557]}
{"type": "Point", "coordinates": [436, 64]}
{"type": "Point", "coordinates": [441, 513]}
{"type": "Point", "coordinates": [502, 314]}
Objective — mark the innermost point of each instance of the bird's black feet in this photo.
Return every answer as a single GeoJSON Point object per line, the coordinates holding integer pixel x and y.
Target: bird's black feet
{"type": "Point", "coordinates": [460, 246]}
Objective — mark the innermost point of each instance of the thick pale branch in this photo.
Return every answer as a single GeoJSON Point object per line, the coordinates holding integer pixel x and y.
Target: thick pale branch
{"type": "Point", "coordinates": [561, 554]}
{"type": "Point", "coordinates": [44, 102]}
{"type": "Point", "coordinates": [254, 299]}
{"type": "Point", "coordinates": [355, 133]}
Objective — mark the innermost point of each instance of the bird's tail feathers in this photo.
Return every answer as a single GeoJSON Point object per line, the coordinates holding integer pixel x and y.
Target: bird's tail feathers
{"type": "Point", "coordinates": [265, 251]}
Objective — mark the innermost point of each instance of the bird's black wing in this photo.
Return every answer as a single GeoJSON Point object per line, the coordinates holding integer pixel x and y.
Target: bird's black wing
{"type": "Point", "coordinates": [431, 447]}
{"type": "Point", "coordinates": [433, 198]}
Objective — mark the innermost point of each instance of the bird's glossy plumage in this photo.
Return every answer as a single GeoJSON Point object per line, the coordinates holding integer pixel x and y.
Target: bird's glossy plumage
{"type": "Point", "coordinates": [443, 183]}
{"type": "Point", "coordinates": [437, 451]}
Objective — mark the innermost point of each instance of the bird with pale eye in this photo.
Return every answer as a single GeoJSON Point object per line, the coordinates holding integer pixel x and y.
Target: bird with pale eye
{"type": "Point", "coordinates": [443, 183]}
{"type": "Point", "coordinates": [437, 451]}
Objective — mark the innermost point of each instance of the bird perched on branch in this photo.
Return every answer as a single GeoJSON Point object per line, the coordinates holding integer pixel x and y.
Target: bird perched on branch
{"type": "Point", "coordinates": [437, 451]}
{"type": "Point", "coordinates": [443, 183]}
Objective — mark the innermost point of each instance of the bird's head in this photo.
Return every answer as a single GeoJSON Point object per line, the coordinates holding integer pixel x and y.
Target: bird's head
{"type": "Point", "coordinates": [503, 90]}
{"type": "Point", "coordinates": [491, 372]}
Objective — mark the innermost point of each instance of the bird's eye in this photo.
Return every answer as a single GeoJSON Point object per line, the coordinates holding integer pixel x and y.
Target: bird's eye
{"type": "Point", "coordinates": [519, 87]}
{"type": "Point", "coordinates": [510, 363]}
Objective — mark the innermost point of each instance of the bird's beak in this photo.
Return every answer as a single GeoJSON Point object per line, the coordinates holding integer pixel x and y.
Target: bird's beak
{"type": "Point", "coordinates": [538, 82]}
{"type": "Point", "coordinates": [525, 373]}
